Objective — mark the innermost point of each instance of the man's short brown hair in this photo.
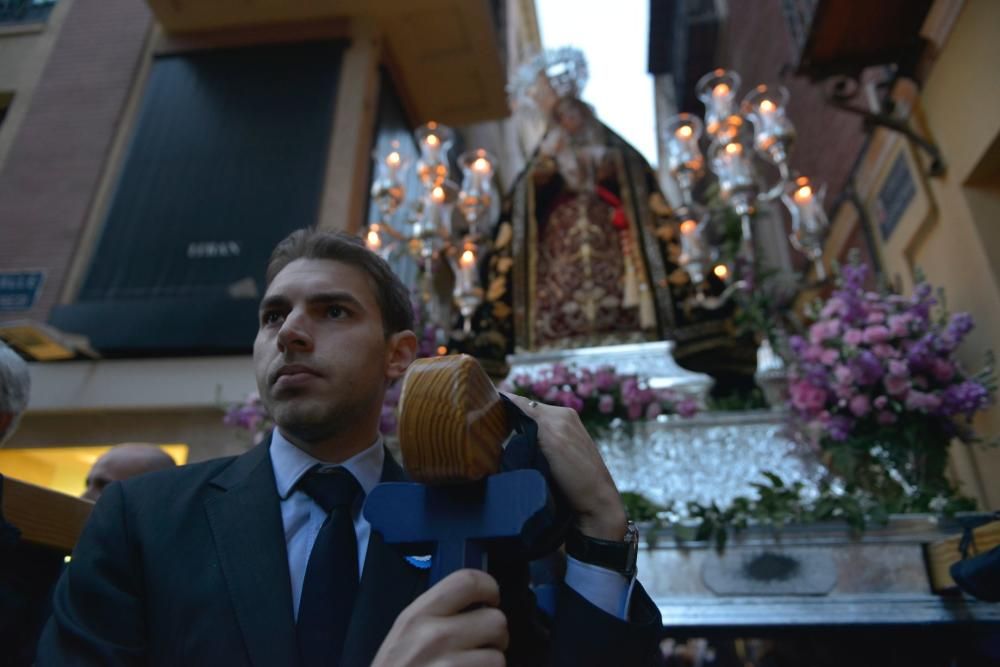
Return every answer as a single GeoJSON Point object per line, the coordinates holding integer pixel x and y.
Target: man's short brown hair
{"type": "Point", "coordinates": [391, 294]}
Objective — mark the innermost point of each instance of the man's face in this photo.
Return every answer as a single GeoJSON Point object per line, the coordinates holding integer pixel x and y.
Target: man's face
{"type": "Point", "coordinates": [321, 355]}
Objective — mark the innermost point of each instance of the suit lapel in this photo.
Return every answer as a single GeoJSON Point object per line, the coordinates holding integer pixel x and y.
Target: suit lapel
{"type": "Point", "coordinates": [245, 518]}
{"type": "Point", "coordinates": [388, 585]}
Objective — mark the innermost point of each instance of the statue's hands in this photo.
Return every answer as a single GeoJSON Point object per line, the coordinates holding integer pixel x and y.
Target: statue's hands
{"type": "Point", "coordinates": [578, 469]}
{"type": "Point", "coordinates": [455, 622]}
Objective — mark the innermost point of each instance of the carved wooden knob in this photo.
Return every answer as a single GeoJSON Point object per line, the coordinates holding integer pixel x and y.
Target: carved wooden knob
{"type": "Point", "coordinates": [452, 422]}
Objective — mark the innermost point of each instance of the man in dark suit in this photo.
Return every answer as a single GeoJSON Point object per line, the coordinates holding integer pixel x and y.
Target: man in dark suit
{"type": "Point", "coordinates": [227, 562]}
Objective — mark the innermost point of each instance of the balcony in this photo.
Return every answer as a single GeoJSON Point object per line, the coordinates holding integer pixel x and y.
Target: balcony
{"type": "Point", "coordinates": [24, 12]}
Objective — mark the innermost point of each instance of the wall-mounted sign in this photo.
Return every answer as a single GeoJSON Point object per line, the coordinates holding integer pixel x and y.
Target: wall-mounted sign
{"type": "Point", "coordinates": [894, 196]}
{"type": "Point", "coordinates": [19, 289]}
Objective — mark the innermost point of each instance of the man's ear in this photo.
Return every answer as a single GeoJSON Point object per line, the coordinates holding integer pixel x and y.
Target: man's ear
{"type": "Point", "coordinates": [401, 351]}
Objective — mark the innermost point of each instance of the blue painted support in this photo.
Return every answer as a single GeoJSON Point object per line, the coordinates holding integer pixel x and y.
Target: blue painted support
{"type": "Point", "coordinates": [457, 523]}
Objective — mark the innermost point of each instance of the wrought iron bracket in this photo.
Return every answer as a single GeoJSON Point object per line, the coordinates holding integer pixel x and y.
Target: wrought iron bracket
{"type": "Point", "coordinates": [845, 89]}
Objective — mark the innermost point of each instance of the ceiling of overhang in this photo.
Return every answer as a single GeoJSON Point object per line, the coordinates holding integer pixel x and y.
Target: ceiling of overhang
{"type": "Point", "coordinates": [443, 54]}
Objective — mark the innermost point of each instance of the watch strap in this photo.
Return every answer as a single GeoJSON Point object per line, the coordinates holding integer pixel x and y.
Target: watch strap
{"type": "Point", "coordinates": [619, 556]}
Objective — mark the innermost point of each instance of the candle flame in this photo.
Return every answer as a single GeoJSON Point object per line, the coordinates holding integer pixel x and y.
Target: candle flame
{"type": "Point", "coordinates": [437, 194]}
{"type": "Point", "coordinates": [373, 241]}
{"type": "Point", "coordinates": [720, 90]}
{"type": "Point", "coordinates": [442, 350]}
{"type": "Point", "coordinates": [803, 194]}
{"type": "Point", "coordinates": [688, 227]}
{"type": "Point", "coordinates": [767, 106]}
{"type": "Point", "coordinates": [684, 132]}
{"type": "Point", "coordinates": [432, 140]}
{"type": "Point", "coordinates": [467, 259]}
{"type": "Point", "coordinates": [481, 166]}
{"type": "Point", "coordinates": [734, 149]}
{"type": "Point", "coordinates": [393, 159]}
{"type": "Point", "coordinates": [721, 271]}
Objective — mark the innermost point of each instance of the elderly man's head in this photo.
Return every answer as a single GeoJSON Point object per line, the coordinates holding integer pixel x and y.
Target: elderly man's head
{"type": "Point", "coordinates": [15, 384]}
{"type": "Point", "coordinates": [124, 461]}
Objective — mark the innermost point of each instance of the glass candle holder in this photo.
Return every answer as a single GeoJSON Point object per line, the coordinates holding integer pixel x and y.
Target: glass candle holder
{"type": "Point", "coordinates": [434, 140]}
{"type": "Point", "coordinates": [809, 222]}
{"type": "Point", "coordinates": [717, 90]}
{"type": "Point", "coordinates": [476, 194]}
{"type": "Point", "coordinates": [685, 161]}
{"type": "Point", "coordinates": [774, 133]}
{"type": "Point", "coordinates": [388, 188]}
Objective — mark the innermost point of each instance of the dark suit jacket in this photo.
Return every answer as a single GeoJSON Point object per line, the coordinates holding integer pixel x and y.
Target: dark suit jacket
{"type": "Point", "coordinates": [189, 567]}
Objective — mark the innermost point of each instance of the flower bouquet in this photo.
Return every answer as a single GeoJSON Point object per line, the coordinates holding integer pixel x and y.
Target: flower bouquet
{"type": "Point", "coordinates": [876, 386]}
{"type": "Point", "coordinates": [601, 396]}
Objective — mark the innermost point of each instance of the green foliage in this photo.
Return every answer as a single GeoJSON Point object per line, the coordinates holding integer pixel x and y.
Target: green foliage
{"type": "Point", "coordinates": [779, 504]}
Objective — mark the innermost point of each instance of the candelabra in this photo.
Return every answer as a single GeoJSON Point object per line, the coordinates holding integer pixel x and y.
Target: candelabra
{"type": "Point", "coordinates": [732, 135]}
{"type": "Point", "coordinates": [445, 222]}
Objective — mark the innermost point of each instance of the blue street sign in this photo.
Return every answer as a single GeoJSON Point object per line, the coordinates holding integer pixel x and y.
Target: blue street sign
{"type": "Point", "coordinates": [19, 289]}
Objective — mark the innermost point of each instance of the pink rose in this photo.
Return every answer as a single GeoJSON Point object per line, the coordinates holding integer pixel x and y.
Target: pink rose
{"type": "Point", "coordinates": [560, 374]}
{"type": "Point", "coordinates": [942, 370]}
{"type": "Point", "coordinates": [884, 351]}
{"type": "Point", "coordinates": [843, 374]}
{"type": "Point", "coordinates": [585, 390]}
{"type": "Point", "coordinates": [875, 317]}
{"type": "Point", "coordinates": [898, 368]}
{"type": "Point", "coordinates": [834, 307]}
{"type": "Point", "coordinates": [885, 418]}
{"type": "Point", "coordinates": [813, 353]}
{"type": "Point", "coordinates": [829, 357]}
{"type": "Point", "coordinates": [807, 397]}
{"type": "Point", "coordinates": [823, 330]}
{"type": "Point", "coordinates": [899, 325]}
{"type": "Point", "coordinates": [606, 404]}
{"type": "Point", "coordinates": [880, 402]}
{"type": "Point", "coordinates": [605, 379]}
{"type": "Point", "coordinates": [860, 405]}
{"type": "Point", "coordinates": [922, 401]}
{"type": "Point", "coordinates": [687, 407]}
{"type": "Point", "coordinates": [853, 337]}
{"type": "Point", "coordinates": [895, 385]}
{"type": "Point", "coordinates": [875, 334]}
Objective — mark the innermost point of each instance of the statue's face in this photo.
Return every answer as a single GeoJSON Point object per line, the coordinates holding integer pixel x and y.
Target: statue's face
{"type": "Point", "coordinates": [570, 115]}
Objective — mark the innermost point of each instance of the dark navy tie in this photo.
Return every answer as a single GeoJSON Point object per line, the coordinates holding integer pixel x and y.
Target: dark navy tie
{"type": "Point", "coordinates": [331, 582]}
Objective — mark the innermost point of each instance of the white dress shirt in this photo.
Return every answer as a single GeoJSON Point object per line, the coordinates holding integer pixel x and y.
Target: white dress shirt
{"type": "Point", "coordinates": [302, 519]}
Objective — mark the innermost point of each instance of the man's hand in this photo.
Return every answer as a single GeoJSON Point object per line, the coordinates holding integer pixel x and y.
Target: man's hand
{"type": "Point", "coordinates": [446, 626]}
{"type": "Point", "coordinates": [578, 469]}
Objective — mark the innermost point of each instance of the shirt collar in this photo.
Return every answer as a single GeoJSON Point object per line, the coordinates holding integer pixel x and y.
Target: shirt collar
{"type": "Point", "coordinates": [290, 463]}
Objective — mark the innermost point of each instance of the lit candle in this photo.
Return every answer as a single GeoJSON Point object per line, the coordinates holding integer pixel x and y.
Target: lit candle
{"type": "Point", "coordinates": [721, 271]}
{"type": "Point", "coordinates": [393, 161]}
{"type": "Point", "coordinates": [481, 166]}
{"type": "Point", "coordinates": [720, 91]}
{"type": "Point", "coordinates": [688, 227]}
{"type": "Point", "coordinates": [767, 107]}
{"type": "Point", "coordinates": [684, 132]}
{"type": "Point", "coordinates": [373, 240]}
{"type": "Point", "coordinates": [467, 265]}
{"type": "Point", "coordinates": [803, 195]}
{"type": "Point", "coordinates": [437, 195]}
{"type": "Point", "coordinates": [432, 148]}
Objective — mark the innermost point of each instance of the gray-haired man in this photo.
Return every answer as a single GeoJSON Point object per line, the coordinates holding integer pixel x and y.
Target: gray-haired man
{"type": "Point", "coordinates": [15, 385]}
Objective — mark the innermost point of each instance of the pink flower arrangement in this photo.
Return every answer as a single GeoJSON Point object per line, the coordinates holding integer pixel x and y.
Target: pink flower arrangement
{"type": "Point", "coordinates": [877, 369]}
{"type": "Point", "coordinates": [250, 416]}
{"type": "Point", "coordinates": [875, 358]}
{"type": "Point", "coordinates": [601, 395]}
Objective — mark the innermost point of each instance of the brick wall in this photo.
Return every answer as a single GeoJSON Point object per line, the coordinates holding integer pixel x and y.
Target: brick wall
{"type": "Point", "coordinates": [758, 46]}
{"type": "Point", "coordinates": [57, 158]}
